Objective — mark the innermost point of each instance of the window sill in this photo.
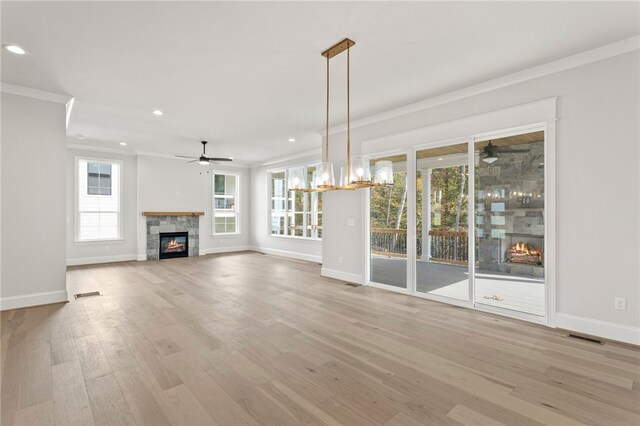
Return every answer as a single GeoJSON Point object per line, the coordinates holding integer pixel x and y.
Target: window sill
{"type": "Point", "coordinates": [235, 234]}
{"type": "Point", "coordinates": [112, 240]}
{"type": "Point", "coordinates": [292, 237]}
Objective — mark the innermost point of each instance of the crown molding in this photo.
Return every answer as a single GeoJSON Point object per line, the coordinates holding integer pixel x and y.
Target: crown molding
{"type": "Point", "coordinates": [273, 161]}
{"type": "Point", "coordinates": [28, 92]}
{"type": "Point", "coordinates": [100, 149]}
{"type": "Point", "coordinates": [583, 58]}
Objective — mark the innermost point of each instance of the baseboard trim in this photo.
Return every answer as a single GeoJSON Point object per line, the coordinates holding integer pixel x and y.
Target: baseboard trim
{"type": "Point", "coordinates": [216, 250]}
{"type": "Point", "coordinates": [102, 259]}
{"type": "Point", "coordinates": [34, 299]}
{"type": "Point", "coordinates": [341, 275]}
{"type": "Point", "coordinates": [593, 327]}
{"type": "Point", "coordinates": [289, 254]}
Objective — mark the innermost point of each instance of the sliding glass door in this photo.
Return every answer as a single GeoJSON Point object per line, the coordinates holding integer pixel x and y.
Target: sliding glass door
{"type": "Point", "coordinates": [388, 228]}
{"type": "Point", "coordinates": [479, 225]}
{"type": "Point", "coordinates": [510, 223]}
{"type": "Point", "coordinates": [442, 243]}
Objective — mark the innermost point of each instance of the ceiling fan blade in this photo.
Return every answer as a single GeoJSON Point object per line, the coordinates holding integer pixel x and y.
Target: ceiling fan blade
{"type": "Point", "coordinates": [507, 151]}
{"type": "Point", "coordinates": [192, 161]}
{"type": "Point", "coordinates": [220, 159]}
{"type": "Point", "coordinates": [184, 156]}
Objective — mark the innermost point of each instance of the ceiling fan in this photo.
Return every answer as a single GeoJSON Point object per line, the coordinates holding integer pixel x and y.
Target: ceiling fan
{"type": "Point", "coordinates": [490, 152]}
{"type": "Point", "coordinates": [204, 159]}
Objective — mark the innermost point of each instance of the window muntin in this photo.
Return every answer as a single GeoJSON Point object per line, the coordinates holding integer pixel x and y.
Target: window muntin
{"type": "Point", "coordinates": [293, 213]}
{"type": "Point", "coordinates": [98, 178]}
{"type": "Point", "coordinates": [98, 212]}
{"type": "Point", "coordinates": [225, 206]}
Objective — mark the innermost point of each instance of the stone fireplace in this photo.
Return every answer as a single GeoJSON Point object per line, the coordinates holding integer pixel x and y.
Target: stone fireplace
{"type": "Point", "coordinates": [510, 208]}
{"type": "Point", "coordinates": [184, 227]}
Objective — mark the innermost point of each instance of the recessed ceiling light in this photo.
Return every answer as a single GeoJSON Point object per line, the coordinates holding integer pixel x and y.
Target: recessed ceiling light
{"type": "Point", "coordinates": [157, 112]}
{"type": "Point", "coordinates": [123, 143]}
{"type": "Point", "coordinates": [292, 140]}
{"type": "Point", "coordinates": [14, 49]}
{"type": "Point", "coordinates": [80, 137]}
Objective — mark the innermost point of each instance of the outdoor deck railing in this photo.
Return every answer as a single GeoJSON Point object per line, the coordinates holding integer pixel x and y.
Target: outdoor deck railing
{"type": "Point", "coordinates": [446, 246]}
{"type": "Point", "coordinates": [389, 242]}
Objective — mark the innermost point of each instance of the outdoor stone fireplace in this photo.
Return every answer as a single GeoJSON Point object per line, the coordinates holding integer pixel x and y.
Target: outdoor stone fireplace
{"type": "Point", "coordinates": [173, 224]}
{"type": "Point", "coordinates": [510, 204]}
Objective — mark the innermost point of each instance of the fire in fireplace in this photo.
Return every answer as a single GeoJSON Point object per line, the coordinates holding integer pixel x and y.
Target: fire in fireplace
{"type": "Point", "coordinates": [524, 253]}
{"type": "Point", "coordinates": [174, 244]}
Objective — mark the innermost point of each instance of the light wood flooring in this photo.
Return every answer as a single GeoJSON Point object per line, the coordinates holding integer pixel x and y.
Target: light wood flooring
{"type": "Point", "coordinates": [245, 338]}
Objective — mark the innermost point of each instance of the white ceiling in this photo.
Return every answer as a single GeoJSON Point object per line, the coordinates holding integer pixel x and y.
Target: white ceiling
{"type": "Point", "coordinates": [247, 76]}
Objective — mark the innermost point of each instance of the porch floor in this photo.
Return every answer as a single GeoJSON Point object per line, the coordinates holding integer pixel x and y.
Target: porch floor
{"type": "Point", "coordinates": [523, 294]}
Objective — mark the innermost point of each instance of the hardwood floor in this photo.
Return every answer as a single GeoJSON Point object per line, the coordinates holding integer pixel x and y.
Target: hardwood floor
{"type": "Point", "coordinates": [245, 339]}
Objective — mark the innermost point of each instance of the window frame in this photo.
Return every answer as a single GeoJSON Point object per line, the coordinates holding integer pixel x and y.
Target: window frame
{"type": "Point", "coordinates": [288, 212]}
{"type": "Point", "coordinates": [236, 203]}
{"type": "Point", "coordinates": [76, 191]}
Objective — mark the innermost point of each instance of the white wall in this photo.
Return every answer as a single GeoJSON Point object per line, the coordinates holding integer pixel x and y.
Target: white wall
{"type": "Point", "coordinates": [80, 253]}
{"type": "Point", "coordinates": [174, 185]}
{"type": "Point", "coordinates": [597, 184]}
{"type": "Point", "coordinates": [33, 202]}
{"type": "Point", "coordinates": [261, 238]}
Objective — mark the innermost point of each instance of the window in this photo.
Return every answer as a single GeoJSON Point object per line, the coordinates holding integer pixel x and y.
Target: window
{"type": "Point", "coordinates": [98, 178]}
{"type": "Point", "coordinates": [98, 199]}
{"type": "Point", "coordinates": [293, 213]}
{"type": "Point", "coordinates": [225, 203]}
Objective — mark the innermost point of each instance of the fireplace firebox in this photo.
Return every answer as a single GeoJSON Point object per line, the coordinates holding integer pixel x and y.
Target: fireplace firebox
{"type": "Point", "coordinates": [174, 244]}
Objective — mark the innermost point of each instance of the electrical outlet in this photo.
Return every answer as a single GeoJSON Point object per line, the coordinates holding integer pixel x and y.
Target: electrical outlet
{"type": "Point", "coordinates": [340, 259]}
{"type": "Point", "coordinates": [621, 304]}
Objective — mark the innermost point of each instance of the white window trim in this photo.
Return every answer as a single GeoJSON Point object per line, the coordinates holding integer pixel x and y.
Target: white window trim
{"type": "Point", "coordinates": [76, 201]}
{"type": "Point", "coordinates": [213, 204]}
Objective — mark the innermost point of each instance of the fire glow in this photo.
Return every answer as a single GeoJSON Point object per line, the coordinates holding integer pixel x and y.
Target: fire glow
{"type": "Point", "coordinates": [173, 246]}
{"type": "Point", "coordinates": [524, 253]}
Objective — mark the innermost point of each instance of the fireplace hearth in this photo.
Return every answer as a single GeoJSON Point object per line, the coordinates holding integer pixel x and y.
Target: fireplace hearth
{"type": "Point", "coordinates": [174, 244]}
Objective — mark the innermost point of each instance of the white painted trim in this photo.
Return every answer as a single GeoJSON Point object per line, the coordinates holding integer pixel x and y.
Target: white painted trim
{"type": "Point", "coordinates": [341, 275]}
{"type": "Point", "coordinates": [101, 259]}
{"type": "Point", "coordinates": [100, 149]}
{"type": "Point", "coordinates": [514, 119]}
{"type": "Point", "coordinates": [28, 92]}
{"type": "Point", "coordinates": [69, 108]}
{"type": "Point", "coordinates": [593, 327]}
{"type": "Point", "coordinates": [289, 254]}
{"type": "Point", "coordinates": [279, 160]}
{"type": "Point", "coordinates": [33, 299]}
{"type": "Point", "coordinates": [141, 257]}
{"type": "Point", "coordinates": [216, 250]}
{"type": "Point", "coordinates": [573, 61]}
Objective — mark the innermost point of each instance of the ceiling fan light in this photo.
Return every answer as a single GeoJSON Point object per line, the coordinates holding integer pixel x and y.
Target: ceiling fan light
{"type": "Point", "coordinates": [490, 160]}
{"type": "Point", "coordinates": [204, 161]}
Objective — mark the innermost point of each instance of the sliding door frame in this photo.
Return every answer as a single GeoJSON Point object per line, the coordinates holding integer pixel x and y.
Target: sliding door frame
{"type": "Point", "coordinates": [549, 128]}
{"type": "Point", "coordinates": [366, 201]}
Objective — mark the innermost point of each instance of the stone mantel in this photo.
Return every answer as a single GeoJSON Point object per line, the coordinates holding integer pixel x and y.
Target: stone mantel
{"type": "Point", "coordinates": [172, 213]}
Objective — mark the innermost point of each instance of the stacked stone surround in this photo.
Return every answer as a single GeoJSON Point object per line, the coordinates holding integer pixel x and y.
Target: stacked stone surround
{"type": "Point", "coordinates": [500, 182]}
{"type": "Point", "coordinates": [158, 224]}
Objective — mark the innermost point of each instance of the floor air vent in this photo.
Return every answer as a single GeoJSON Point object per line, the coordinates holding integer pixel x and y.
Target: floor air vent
{"type": "Point", "coordinates": [91, 293]}
{"type": "Point", "coordinates": [588, 339]}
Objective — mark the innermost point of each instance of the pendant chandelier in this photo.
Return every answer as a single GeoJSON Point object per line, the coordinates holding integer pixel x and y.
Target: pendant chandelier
{"type": "Point", "coordinates": [357, 171]}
